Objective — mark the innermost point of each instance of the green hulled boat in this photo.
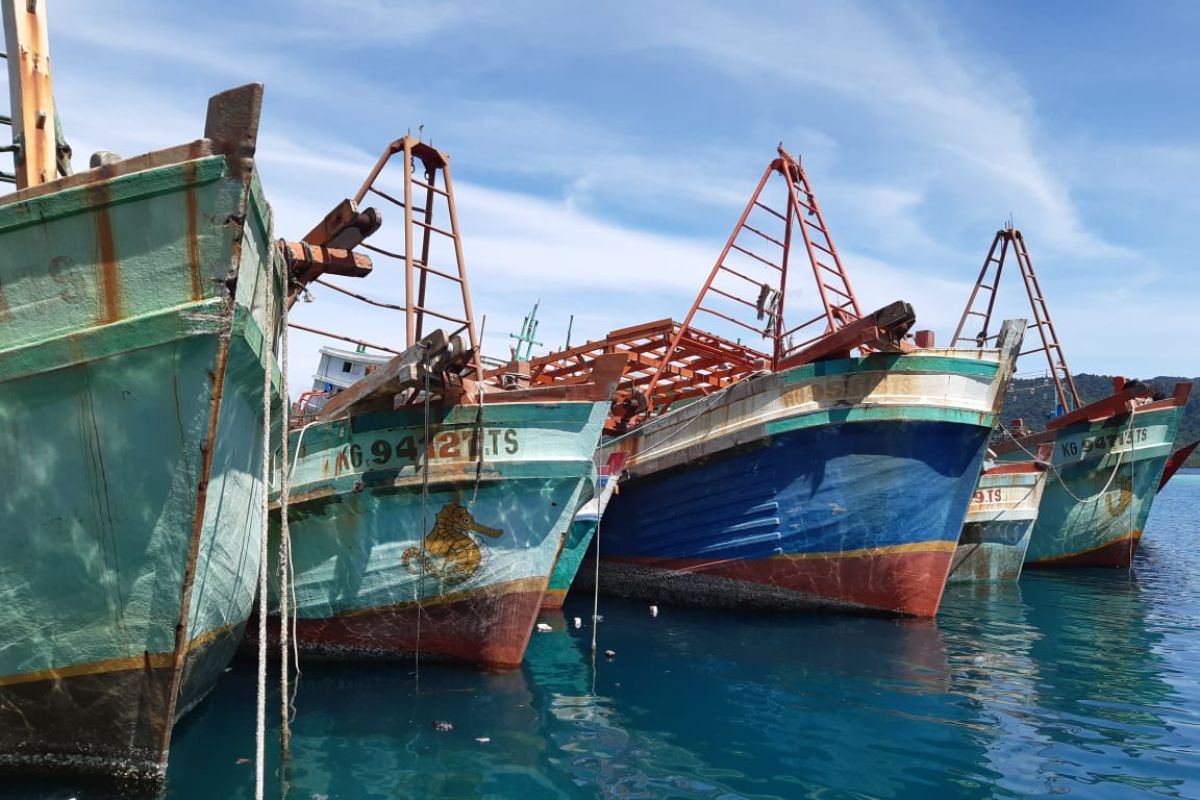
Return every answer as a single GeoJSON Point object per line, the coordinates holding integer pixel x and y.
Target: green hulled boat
{"type": "Point", "coordinates": [1106, 459]}
{"type": "Point", "coordinates": [135, 299]}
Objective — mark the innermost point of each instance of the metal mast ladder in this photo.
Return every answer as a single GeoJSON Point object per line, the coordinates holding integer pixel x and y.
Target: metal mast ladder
{"type": "Point", "coordinates": [420, 197]}
{"type": "Point", "coordinates": [984, 296]}
{"type": "Point", "coordinates": [38, 155]}
{"type": "Point", "coordinates": [750, 275]}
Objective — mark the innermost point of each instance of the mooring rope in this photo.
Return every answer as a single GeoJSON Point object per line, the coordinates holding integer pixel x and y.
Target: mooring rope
{"type": "Point", "coordinates": [596, 588]}
{"type": "Point", "coordinates": [1132, 497]}
{"type": "Point", "coordinates": [1057, 474]}
{"type": "Point", "coordinates": [705, 406]}
{"type": "Point", "coordinates": [264, 522]}
{"type": "Point", "coordinates": [285, 542]}
{"type": "Point", "coordinates": [428, 446]}
{"type": "Point", "coordinates": [479, 427]}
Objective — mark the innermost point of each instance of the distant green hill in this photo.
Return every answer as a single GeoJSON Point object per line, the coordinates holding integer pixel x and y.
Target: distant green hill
{"type": "Point", "coordinates": [1032, 399]}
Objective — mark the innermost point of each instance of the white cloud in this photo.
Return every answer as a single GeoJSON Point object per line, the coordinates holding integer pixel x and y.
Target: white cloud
{"type": "Point", "coordinates": [906, 73]}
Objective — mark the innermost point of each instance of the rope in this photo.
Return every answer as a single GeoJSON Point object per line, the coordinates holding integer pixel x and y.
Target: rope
{"type": "Point", "coordinates": [479, 429]}
{"type": "Point", "coordinates": [596, 587]}
{"type": "Point", "coordinates": [285, 541]}
{"type": "Point", "coordinates": [261, 700]}
{"type": "Point", "coordinates": [1132, 496]}
{"type": "Point", "coordinates": [424, 527]}
{"type": "Point", "coordinates": [709, 400]}
{"type": "Point", "coordinates": [1057, 474]}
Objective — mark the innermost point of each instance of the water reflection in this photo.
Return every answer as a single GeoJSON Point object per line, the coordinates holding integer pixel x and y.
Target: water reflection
{"type": "Point", "coordinates": [1080, 682]}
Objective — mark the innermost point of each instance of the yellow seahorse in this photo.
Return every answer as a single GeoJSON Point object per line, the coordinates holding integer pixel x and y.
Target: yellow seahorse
{"type": "Point", "coordinates": [449, 552]}
{"type": "Point", "coordinates": [1117, 504]}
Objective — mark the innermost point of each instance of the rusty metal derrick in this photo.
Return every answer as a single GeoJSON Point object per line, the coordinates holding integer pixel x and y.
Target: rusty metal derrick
{"type": "Point", "coordinates": [745, 292]}
{"type": "Point", "coordinates": [413, 178]}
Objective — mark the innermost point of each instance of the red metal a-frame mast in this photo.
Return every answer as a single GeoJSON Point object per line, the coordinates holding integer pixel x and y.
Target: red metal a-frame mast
{"type": "Point", "coordinates": [983, 301]}
{"type": "Point", "coordinates": [746, 289]}
{"type": "Point", "coordinates": [430, 292]}
{"type": "Point", "coordinates": [752, 270]}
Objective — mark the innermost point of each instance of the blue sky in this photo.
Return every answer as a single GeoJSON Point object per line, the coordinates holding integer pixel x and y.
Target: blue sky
{"type": "Point", "coordinates": [603, 151]}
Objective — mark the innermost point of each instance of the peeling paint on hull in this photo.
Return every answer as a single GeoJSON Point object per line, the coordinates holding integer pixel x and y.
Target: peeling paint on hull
{"type": "Point", "coordinates": [999, 525]}
{"type": "Point", "coordinates": [839, 485]}
{"type": "Point", "coordinates": [119, 408]}
{"type": "Point", "coordinates": [372, 552]}
{"type": "Point", "coordinates": [1080, 521]}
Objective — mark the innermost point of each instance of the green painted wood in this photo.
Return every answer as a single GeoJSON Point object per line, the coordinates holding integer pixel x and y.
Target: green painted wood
{"type": "Point", "coordinates": [113, 312]}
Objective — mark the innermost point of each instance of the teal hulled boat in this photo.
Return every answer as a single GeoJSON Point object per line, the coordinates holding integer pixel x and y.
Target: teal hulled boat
{"type": "Point", "coordinates": [1107, 464]}
{"type": "Point", "coordinates": [134, 301]}
{"type": "Point", "coordinates": [437, 540]}
{"type": "Point", "coordinates": [1107, 458]}
{"type": "Point", "coordinates": [428, 505]}
{"type": "Point", "coordinates": [580, 534]}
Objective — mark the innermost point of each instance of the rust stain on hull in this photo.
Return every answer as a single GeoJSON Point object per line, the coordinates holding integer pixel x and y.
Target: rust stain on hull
{"type": "Point", "coordinates": [108, 274]}
{"type": "Point", "coordinates": [193, 241]}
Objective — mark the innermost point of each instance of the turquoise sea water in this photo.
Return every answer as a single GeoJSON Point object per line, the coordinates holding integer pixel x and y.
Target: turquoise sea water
{"type": "Point", "coordinates": [1084, 683]}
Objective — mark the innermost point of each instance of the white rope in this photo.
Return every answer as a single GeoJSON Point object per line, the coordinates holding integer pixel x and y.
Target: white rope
{"type": "Point", "coordinates": [285, 542]}
{"type": "Point", "coordinates": [299, 446]}
{"type": "Point", "coordinates": [424, 528]}
{"type": "Point", "coordinates": [261, 700]}
{"type": "Point", "coordinates": [1132, 497]}
{"type": "Point", "coordinates": [295, 605]}
{"type": "Point", "coordinates": [479, 428]}
{"type": "Point", "coordinates": [705, 404]}
{"type": "Point", "coordinates": [1057, 474]}
{"type": "Point", "coordinates": [596, 587]}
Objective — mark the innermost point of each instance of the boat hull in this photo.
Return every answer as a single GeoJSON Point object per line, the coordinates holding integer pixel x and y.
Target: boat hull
{"type": "Point", "coordinates": [1094, 508]}
{"type": "Point", "coordinates": [999, 524]}
{"type": "Point", "coordinates": [452, 568]}
{"type": "Point", "coordinates": [841, 485]}
{"type": "Point", "coordinates": [579, 538]}
{"type": "Point", "coordinates": [131, 376]}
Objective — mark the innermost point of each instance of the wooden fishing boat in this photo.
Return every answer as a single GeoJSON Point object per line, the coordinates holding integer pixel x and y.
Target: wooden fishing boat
{"type": "Point", "coordinates": [135, 298]}
{"type": "Point", "coordinates": [999, 523]}
{"type": "Point", "coordinates": [1107, 463]}
{"type": "Point", "coordinates": [1107, 457]}
{"type": "Point", "coordinates": [581, 532]}
{"type": "Point", "coordinates": [427, 507]}
{"type": "Point", "coordinates": [792, 475]}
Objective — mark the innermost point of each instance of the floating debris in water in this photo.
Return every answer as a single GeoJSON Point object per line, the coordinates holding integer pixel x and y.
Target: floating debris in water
{"type": "Point", "coordinates": [578, 623]}
{"type": "Point", "coordinates": [483, 739]}
{"type": "Point", "coordinates": [543, 628]}
{"type": "Point", "coordinates": [441, 726]}
{"type": "Point", "coordinates": [654, 611]}
{"type": "Point", "coordinates": [609, 654]}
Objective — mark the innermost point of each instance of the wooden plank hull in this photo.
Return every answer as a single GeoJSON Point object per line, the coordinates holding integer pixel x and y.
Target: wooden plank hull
{"type": "Point", "coordinates": [999, 524]}
{"type": "Point", "coordinates": [388, 564]}
{"type": "Point", "coordinates": [841, 484]}
{"type": "Point", "coordinates": [1093, 509]}
{"type": "Point", "coordinates": [131, 381]}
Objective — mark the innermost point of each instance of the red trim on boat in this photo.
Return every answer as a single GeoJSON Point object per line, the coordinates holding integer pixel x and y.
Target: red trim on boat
{"type": "Point", "coordinates": [904, 582]}
{"type": "Point", "coordinates": [490, 630]}
{"type": "Point", "coordinates": [1118, 553]}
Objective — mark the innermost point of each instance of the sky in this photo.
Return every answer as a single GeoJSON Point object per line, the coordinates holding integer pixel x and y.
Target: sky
{"type": "Point", "coordinates": [602, 152]}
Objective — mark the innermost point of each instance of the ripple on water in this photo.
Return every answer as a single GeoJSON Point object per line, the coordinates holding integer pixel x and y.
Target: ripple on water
{"type": "Point", "coordinates": [1074, 682]}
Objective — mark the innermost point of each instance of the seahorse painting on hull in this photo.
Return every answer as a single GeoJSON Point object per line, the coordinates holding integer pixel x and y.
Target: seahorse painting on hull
{"type": "Point", "coordinates": [449, 553]}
